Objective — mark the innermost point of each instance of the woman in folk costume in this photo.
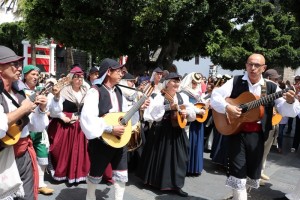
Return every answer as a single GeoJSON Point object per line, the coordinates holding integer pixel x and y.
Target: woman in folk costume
{"type": "Point", "coordinates": [68, 145]}
{"type": "Point", "coordinates": [165, 155]}
{"type": "Point", "coordinates": [190, 86]}
{"type": "Point", "coordinates": [39, 139]}
{"type": "Point", "coordinates": [156, 77]}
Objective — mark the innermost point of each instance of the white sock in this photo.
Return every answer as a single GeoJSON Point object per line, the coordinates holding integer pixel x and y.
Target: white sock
{"type": "Point", "coordinates": [119, 190]}
{"type": "Point", "coordinates": [239, 194]}
{"type": "Point", "coordinates": [41, 169]}
{"type": "Point", "coordinates": [91, 190]}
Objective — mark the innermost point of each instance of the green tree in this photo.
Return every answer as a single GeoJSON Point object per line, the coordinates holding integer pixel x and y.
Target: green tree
{"type": "Point", "coordinates": [264, 28]}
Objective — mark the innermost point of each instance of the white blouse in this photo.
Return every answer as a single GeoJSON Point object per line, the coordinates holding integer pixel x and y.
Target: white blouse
{"type": "Point", "coordinates": [156, 109]}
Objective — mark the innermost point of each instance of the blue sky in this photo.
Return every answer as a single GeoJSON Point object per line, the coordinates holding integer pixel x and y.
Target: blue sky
{"type": "Point", "coordinates": [203, 67]}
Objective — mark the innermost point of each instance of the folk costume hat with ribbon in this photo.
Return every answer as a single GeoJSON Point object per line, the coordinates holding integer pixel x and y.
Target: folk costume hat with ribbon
{"type": "Point", "coordinates": [7, 55]}
{"type": "Point", "coordinates": [105, 65]}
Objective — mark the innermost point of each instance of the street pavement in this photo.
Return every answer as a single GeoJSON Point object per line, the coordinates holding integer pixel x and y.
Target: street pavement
{"type": "Point", "coordinates": [283, 169]}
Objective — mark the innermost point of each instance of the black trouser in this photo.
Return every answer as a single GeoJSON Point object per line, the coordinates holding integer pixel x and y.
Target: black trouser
{"type": "Point", "coordinates": [102, 154]}
{"type": "Point", "coordinates": [296, 140]}
{"type": "Point", "coordinates": [245, 152]}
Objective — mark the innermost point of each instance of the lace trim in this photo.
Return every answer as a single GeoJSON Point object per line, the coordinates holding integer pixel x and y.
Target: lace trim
{"type": "Point", "coordinates": [94, 179]}
{"type": "Point", "coordinates": [254, 183]}
{"type": "Point", "coordinates": [42, 161]}
{"type": "Point", "coordinates": [15, 192]}
{"type": "Point", "coordinates": [236, 183]}
{"type": "Point", "coordinates": [121, 176]}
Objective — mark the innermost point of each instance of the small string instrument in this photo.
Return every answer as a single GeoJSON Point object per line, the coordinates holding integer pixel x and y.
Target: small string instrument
{"type": "Point", "coordinates": [177, 119]}
{"type": "Point", "coordinates": [121, 118]}
{"type": "Point", "coordinates": [13, 133]}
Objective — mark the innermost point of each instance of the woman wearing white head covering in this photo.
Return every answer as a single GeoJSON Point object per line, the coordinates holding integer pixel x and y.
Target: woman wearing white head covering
{"type": "Point", "coordinates": [156, 77]}
{"type": "Point", "coordinates": [190, 85]}
{"type": "Point", "coordinates": [165, 155]}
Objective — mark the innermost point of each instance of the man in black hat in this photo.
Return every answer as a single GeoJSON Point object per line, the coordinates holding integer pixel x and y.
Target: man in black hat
{"type": "Point", "coordinates": [93, 75]}
{"type": "Point", "coordinates": [105, 97]}
{"type": "Point", "coordinates": [16, 107]}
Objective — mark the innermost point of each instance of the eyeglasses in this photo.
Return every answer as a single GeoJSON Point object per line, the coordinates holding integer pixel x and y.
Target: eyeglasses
{"type": "Point", "coordinates": [256, 65]}
{"type": "Point", "coordinates": [78, 77]}
{"type": "Point", "coordinates": [16, 64]}
{"type": "Point", "coordinates": [297, 79]}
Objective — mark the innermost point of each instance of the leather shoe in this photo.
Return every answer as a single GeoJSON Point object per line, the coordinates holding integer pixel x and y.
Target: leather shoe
{"type": "Point", "coordinates": [181, 193]}
{"type": "Point", "coordinates": [265, 177]}
{"type": "Point", "coordinates": [45, 190]}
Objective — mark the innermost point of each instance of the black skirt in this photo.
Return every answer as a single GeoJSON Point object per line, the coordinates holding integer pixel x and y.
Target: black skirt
{"type": "Point", "coordinates": [165, 155]}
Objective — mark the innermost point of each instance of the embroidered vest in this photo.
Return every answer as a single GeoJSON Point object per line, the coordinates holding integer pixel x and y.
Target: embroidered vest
{"type": "Point", "coordinates": [104, 99]}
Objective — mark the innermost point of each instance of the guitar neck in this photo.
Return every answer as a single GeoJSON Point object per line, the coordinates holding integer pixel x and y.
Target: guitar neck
{"type": "Point", "coordinates": [134, 109]}
{"type": "Point", "coordinates": [263, 100]}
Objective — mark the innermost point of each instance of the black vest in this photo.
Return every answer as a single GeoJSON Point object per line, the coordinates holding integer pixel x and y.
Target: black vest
{"type": "Point", "coordinates": [168, 113]}
{"type": "Point", "coordinates": [104, 99]}
{"type": "Point", "coordinates": [241, 86]}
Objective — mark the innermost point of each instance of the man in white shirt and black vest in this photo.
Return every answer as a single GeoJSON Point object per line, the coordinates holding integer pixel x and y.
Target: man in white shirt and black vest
{"type": "Point", "coordinates": [105, 97]}
{"type": "Point", "coordinates": [246, 147]}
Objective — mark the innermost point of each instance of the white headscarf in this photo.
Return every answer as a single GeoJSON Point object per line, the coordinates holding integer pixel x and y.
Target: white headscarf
{"type": "Point", "coordinates": [186, 85]}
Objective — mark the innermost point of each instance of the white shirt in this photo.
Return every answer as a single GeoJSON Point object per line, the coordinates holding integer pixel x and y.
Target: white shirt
{"type": "Point", "coordinates": [91, 124]}
{"type": "Point", "coordinates": [218, 102]}
{"type": "Point", "coordinates": [37, 121]}
{"type": "Point", "coordinates": [156, 109]}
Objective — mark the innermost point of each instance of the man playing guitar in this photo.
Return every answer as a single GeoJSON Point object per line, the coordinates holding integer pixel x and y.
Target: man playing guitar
{"type": "Point", "coordinates": [247, 145]}
{"type": "Point", "coordinates": [105, 97]}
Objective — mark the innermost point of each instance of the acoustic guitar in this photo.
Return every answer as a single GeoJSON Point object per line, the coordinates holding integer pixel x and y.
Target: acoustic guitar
{"type": "Point", "coordinates": [13, 133]}
{"type": "Point", "coordinates": [252, 111]}
{"type": "Point", "coordinates": [121, 118]}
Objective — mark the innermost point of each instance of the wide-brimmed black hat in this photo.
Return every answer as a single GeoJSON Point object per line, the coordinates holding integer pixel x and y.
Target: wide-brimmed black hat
{"type": "Point", "coordinates": [106, 64]}
{"type": "Point", "coordinates": [158, 69]}
{"type": "Point", "coordinates": [173, 75]}
{"type": "Point", "coordinates": [93, 70]}
{"type": "Point", "coordinates": [7, 55]}
{"type": "Point", "coordinates": [128, 76]}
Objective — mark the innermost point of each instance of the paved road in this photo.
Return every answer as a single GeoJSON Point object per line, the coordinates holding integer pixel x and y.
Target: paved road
{"type": "Point", "coordinates": [283, 169]}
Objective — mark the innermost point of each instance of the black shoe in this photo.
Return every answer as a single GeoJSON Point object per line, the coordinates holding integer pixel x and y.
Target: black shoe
{"type": "Point", "coordinates": [181, 193]}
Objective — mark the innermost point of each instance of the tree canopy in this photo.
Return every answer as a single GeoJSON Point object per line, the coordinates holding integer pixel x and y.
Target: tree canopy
{"type": "Point", "coordinates": [227, 31]}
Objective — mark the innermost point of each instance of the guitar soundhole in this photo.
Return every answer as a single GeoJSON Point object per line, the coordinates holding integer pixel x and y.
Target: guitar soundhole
{"type": "Point", "coordinates": [19, 122]}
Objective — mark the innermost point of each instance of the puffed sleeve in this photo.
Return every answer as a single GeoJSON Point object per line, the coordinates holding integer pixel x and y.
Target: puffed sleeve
{"type": "Point", "coordinates": [156, 109]}
{"type": "Point", "coordinates": [91, 124]}
{"type": "Point", "coordinates": [38, 120]}
{"type": "Point", "coordinates": [56, 107]}
{"type": "Point", "coordinates": [3, 123]}
{"type": "Point", "coordinates": [190, 111]}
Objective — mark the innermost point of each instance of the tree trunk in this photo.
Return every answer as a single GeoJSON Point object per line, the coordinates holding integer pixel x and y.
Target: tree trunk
{"type": "Point", "coordinates": [33, 52]}
{"type": "Point", "coordinates": [69, 59]}
{"type": "Point", "coordinates": [167, 56]}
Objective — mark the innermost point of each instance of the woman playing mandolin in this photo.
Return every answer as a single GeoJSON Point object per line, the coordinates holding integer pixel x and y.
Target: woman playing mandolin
{"type": "Point", "coordinates": [190, 85]}
{"type": "Point", "coordinates": [165, 155]}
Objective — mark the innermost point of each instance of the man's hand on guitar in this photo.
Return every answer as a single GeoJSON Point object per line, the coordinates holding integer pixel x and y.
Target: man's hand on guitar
{"type": "Point", "coordinates": [41, 100]}
{"type": "Point", "coordinates": [146, 104]}
{"type": "Point", "coordinates": [118, 130]}
{"type": "Point", "coordinates": [233, 111]}
{"type": "Point", "coordinates": [289, 96]}
{"type": "Point", "coordinates": [28, 105]}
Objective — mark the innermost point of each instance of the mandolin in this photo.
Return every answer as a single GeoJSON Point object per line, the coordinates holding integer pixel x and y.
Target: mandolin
{"type": "Point", "coordinates": [252, 111]}
{"type": "Point", "coordinates": [124, 119]}
{"type": "Point", "coordinates": [13, 133]}
{"type": "Point", "coordinates": [181, 120]}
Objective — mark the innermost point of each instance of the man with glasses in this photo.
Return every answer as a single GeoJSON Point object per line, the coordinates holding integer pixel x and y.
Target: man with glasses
{"type": "Point", "coordinates": [105, 97]}
{"type": "Point", "coordinates": [245, 148]}
{"type": "Point", "coordinates": [32, 116]}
